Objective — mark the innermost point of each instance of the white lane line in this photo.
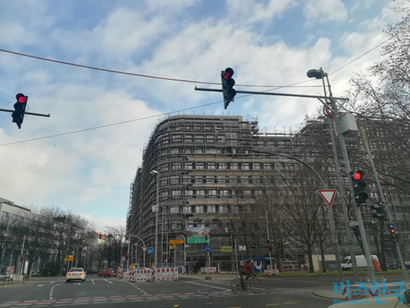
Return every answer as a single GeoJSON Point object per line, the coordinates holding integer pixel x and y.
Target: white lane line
{"type": "Point", "coordinates": [208, 285]}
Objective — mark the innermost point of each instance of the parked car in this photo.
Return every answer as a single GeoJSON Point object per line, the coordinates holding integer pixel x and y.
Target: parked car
{"type": "Point", "coordinates": [75, 274]}
{"type": "Point", "coordinates": [107, 273]}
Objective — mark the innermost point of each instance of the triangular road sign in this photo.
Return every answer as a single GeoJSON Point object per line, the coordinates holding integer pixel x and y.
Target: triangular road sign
{"type": "Point", "coordinates": [328, 195]}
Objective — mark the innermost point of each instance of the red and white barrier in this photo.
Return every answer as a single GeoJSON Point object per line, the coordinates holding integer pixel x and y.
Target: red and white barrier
{"type": "Point", "coordinates": [165, 273]}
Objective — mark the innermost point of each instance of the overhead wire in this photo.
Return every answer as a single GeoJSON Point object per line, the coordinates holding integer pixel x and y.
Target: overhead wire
{"type": "Point", "coordinates": [153, 77]}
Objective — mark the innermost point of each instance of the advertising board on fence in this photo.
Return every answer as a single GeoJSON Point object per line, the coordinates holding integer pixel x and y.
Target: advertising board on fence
{"type": "Point", "coordinates": [198, 235]}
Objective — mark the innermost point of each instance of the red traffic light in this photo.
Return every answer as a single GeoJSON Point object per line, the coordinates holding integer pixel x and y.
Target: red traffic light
{"type": "Point", "coordinates": [21, 98]}
{"type": "Point", "coordinates": [358, 175]}
{"type": "Point", "coordinates": [227, 73]}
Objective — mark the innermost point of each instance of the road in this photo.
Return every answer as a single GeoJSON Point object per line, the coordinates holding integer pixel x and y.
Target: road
{"type": "Point", "coordinates": [184, 293]}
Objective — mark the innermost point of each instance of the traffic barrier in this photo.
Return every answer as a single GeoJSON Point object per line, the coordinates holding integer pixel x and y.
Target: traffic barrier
{"type": "Point", "coordinates": [143, 274]}
{"type": "Point", "coordinates": [165, 273]}
{"type": "Point", "coordinates": [272, 272]}
{"type": "Point", "coordinates": [120, 274]}
{"type": "Point", "coordinates": [131, 275]}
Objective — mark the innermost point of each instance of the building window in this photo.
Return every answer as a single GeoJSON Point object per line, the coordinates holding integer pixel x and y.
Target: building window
{"type": "Point", "coordinates": [199, 209]}
{"type": "Point", "coordinates": [176, 193]}
{"type": "Point", "coordinates": [212, 192]}
{"type": "Point", "coordinates": [200, 166]}
{"type": "Point", "coordinates": [211, 209]}
{"type": "Point", "coordinates": [222, 166]}
{"type": "Point", "coordinates": [174, 209]}
{"type": "Point", "coordinates": [224, 192]}
{"type": "Point", "coordinates": [211, 165]}
{"type": "Point", "coordinates": [189, 166]}
{"type": "Point", "coordinates": [187, 209]}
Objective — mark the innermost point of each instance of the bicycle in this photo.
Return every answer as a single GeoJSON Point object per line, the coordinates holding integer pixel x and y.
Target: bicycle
{"type": "Point", "coordinates": [253, 284]}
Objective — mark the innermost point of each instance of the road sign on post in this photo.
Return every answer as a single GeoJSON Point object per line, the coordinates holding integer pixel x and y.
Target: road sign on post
{"type": "Point", "coordinates": [176, 241]}
{"type": "Point", "coordinates": [328, 195]}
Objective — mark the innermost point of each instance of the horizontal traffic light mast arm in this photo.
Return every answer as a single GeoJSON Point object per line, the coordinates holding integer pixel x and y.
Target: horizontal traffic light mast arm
{"type": "Point", "coordinates": [275, 94]}
{"type": "Point", "coordinates": [30, 113]}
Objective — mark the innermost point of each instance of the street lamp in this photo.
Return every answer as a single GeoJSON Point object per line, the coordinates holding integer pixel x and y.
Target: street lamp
{"type": "Point", "coordinates": [156, 218]}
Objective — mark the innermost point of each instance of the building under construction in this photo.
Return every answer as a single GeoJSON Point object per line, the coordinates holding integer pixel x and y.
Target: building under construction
{"type": "Point", "coordinates": [224, 189]}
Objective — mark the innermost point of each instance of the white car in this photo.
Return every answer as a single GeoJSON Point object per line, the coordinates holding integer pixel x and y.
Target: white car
{"type": "Point", "coordinates": [75, 274]}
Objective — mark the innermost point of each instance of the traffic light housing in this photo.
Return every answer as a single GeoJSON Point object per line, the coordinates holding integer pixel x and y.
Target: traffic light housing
{"type": "Point", "coordinates": [19, 109]}
{"type": "Point", "coordinates": [393, 232]}
{"type": "Point", "coordinates": [360, 196]}
{"type": "Point", "coordinates": [378, 212]}
{"type": "Point", "coordinates": [99, 235]}
{"type": "Point", "coordinates": [227, 86]}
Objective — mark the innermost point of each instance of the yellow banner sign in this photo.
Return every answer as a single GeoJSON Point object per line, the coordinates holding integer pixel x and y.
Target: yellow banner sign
{"type": "Point", "coordinates": [68, 259]}
{"type": "Point", "coordinates": [176, 241]}
{"type": "Point", "coordinates": [226, 248]}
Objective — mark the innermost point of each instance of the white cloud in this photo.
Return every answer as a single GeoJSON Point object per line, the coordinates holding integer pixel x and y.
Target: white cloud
{"type": "Point", "coordinates": [249, 11]}
{"type": "Point", "coordinates": [90, 172]}
{"type": "Point", "coordinates": [319, 11]}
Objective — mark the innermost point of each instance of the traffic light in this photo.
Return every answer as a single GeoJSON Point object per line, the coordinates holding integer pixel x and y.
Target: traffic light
{"type": "Point", "coordinates": [393, 232]}
{"type": "Point", "coordinates": [99, 235]}
{"type": "Point", "coordinates": [358, 187]}
{"type": "Point", "coordinates": [378, 212]}
{"type": "Point", "coordinates": [269, 246]}
{"type": "Point", "coordinates": [19, 109]}
{"type": "Point", "coordinates": [227, 86]}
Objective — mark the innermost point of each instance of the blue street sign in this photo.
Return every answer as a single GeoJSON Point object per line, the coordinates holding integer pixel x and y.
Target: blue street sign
{"type": "Point", "coordinates": [150, 250]}
{"type": "Point", "coordinates": [207, 248]}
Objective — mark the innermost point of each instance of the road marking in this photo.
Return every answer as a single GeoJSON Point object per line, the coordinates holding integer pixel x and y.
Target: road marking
{"type": "Point", "coordinates": [272, 304]}
{"type": "Point", "coordinates": [52, 291]}
{"type": "Point", "coordinates": [208, 285]}
{"type": "Point", "coordinates": [290, 303]}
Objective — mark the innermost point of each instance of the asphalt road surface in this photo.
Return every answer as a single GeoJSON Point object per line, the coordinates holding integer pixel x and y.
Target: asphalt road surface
{"type": "Point", "coordinates": [184, 293]}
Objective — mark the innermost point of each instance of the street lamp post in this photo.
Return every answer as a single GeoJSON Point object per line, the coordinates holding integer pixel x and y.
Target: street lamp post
{"type": "Point", "coordinates": [143, 243]}
{"type": "Point", "coordinates": [156, 218]}
{"type": "Point", "coordinates": [320, 74]}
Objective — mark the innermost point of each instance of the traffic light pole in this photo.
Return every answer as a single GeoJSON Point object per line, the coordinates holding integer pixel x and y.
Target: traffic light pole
{"type": "Point", "coordinates": [384, 202]}
{"type": "Point", "coordinates": [348, 171]}
{"type": "Point", "coordinates": [273, 93]}
{"type": "Point", "coordinates": [30, 113]}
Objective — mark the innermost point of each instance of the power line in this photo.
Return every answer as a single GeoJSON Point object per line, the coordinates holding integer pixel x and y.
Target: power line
{"type": "Point", "coordinates": [154, 77]}
{"type": "Point", "coordinates": [122, 72]}
{"type": "Point", "coordinates": [106, 125]}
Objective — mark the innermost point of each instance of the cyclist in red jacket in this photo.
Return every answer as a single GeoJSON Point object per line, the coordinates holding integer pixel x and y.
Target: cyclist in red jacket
{"type": "Point", "coordinates": [247, 271]}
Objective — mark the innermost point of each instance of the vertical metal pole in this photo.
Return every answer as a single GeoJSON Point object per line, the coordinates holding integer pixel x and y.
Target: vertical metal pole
{"type": "Point", "coordinates": [267, 235]}
{"type": "Point", "coordinates": [128, 251]}
{"type": "Point", "coordinates": [184, 271]}
{"type": "Point", "coordinates": [156, 224]}
{"type": "Point", "coordinates": [349, 170]}
{"type": "Point", "coordinates": [236, 259]}
{"type": "Point", "coordinates": [384, 202]}
{"type": "Point", "coordinates": [344, 206]}
{"type": "Point", "coordinates": [21, 258]}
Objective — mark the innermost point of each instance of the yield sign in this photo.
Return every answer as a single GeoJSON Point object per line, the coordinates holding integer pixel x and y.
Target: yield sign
{"type": "Point", "coordinates": [328, 195]}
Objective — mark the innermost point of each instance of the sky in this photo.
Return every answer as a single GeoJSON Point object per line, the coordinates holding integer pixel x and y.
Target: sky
{"type": "Point", "coordinates": [83, 158]}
